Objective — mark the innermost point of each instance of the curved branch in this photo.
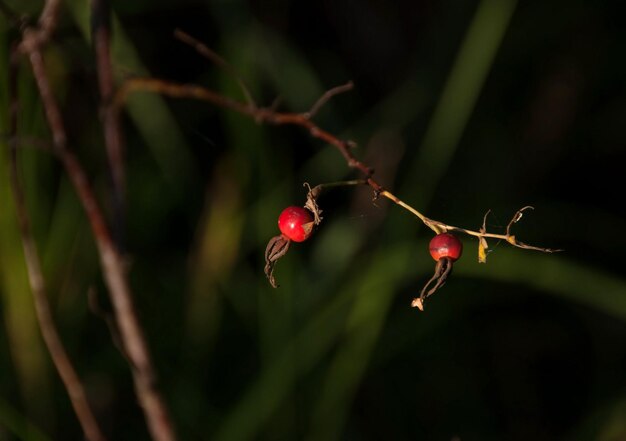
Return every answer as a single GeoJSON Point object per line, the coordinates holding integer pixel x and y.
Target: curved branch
{"type": "Point", "coordinates": [49, 332]}
{"type": "Point", "coordinates": [135, 345]}
{"type": "Point", "coordinates": [270, 116]}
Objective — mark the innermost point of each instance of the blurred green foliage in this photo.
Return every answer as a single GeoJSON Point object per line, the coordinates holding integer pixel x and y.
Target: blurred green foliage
{"type": "Point", "coordinates": [460, 106]}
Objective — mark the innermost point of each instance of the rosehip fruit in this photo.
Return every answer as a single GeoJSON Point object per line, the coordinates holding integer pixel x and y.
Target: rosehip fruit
{"type": "Point", "coordinates": [445, 245]}
{"type": "Point", "coordinates": [296, 223]}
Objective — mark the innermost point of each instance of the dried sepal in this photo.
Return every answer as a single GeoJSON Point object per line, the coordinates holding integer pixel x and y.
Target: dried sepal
{"type": "Point", "coordinates": [442, 270]}
{"type": "Point", "coordinates": [276, 248]}
{"type": "Point", "coordinates": [482, 250]}
{"type": "Point", "coordinates": [308, 227]}
{"type": "Point", "coordinates": [311, 203]}
{"type": "Point", "coordinates": [483, 246]}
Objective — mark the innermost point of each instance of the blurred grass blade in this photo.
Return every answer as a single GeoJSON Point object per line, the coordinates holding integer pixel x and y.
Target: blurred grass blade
{"type": "Point", "coordinates": [28, 353]}
{"type": "Point", "coordinates": [459, 95]}
{"type": "Point", "coordinates": [266, 394]}
{"type": "Point", "coordinates": [365, 322]}
{"type": "Point", "coordinates": [318, 336]}
{"type": "Point", "coordinates": [11, 421]}
{"type": "Point", "coordinates": [217, 245]}
{"type": "Point", "coordinates": [557, 275]}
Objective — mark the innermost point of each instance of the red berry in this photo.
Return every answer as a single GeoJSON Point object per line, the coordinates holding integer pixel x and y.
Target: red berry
{"type": "Point", "coordinates": [296, 223]}
{"type": "Point", "coordinates": [445, 245]}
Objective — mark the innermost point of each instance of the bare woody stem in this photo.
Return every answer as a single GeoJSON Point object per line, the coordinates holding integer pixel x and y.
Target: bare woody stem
{"type": "Point", "coordinates": [101, 33]}
{"type": "Point", "coordinates": [131, 332]}
{"type": "Point", "coordinates": [406, 206]}
{"type": "Point", "coordinates": [49, 332]}
{"type": "Point", "coordinates": [58, 354]}
{"type": "Point", "coordinates": [261, 115]}
{"type": "Point", "coordinates": [270, 116]}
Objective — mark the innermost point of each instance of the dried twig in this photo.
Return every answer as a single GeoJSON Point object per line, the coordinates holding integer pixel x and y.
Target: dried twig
{"type": "Point", "coordinates": [48, 20]}
{"type": "Point", "coordinates": [131, 332]}
{"type": "Point", "coordinates": [262, 115]}
{"type": "Point", "coordinates": [270, 116]}
{"type": "Point", "coordinates": [101, 35]}
{"type": "Point", "coordinates": [49, 332]}
{"type": "Point", "coordinates": [517, 217]}
{"type": "Point", "coordinates": [211, 55]}
{"type": "Point", "coordinates": [326, 97]}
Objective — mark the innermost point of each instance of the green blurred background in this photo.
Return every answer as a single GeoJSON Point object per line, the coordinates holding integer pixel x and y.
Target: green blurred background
{"type": "Point", "coordinates": [461, 106]}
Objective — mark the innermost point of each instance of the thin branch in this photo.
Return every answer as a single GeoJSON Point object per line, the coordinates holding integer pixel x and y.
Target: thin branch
{"type": "Point", "coordinates": [517, 217]}
{"type": "Point", "coordinates": [507, 237]}
{"type": "Point", "coordinates": [261, 115]}
{"type": "Point", "coordinates": [406, 206]}
{"type": "Point", "coordinates": [49, 332]}
{"type": "Point", "coordinates": [101, 35]}
{"type": "Point", "coordinates": [270, 116]}
{"type": "Point", "coordinates": [206, 51]}
{"type": "Point", "coordinates": [327, 96]}
{"type": "Point", "coordinates": [144, 375]}
{"type": "Point", "coordinates": [46, 25]}
{"type": "Point", "coordinates": [48, 20]}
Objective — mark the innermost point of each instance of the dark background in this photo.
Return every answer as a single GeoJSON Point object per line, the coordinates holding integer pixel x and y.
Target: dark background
{"type": "Point", "coordinates": [460, 106]}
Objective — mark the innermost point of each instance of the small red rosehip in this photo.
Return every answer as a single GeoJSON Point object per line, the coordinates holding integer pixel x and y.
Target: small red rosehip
{"type": "Point", "coordinates": [445, 245]}
{"type": "Point", "coordinates": [296, 223]}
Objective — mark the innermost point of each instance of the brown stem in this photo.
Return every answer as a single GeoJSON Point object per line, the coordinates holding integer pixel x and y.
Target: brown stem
{"type": "Point", "coordinates": [270, 116]}
{"type": "Point", "coordinates": [49, 332]}
{"type": "Point", "coordinates": [262, 115]}
{"type": "Point", "coordinates": [48, 20]}
{"type": "Point", "coordinates": [131, 332]}
{"type": "Point", "coordinates": [214, 57]}
{"type": "Point", "coordinates": [101, 34]}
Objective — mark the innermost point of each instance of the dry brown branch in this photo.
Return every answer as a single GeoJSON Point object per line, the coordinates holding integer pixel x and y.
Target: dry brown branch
{"type": "Point", "coordinates": [114, 142]}
{"type": "Point", "coordinates": [261, 115]}
{"type": "Point", "coordinates": [517, 217]}
{"type": "Point", "coordinates": [326, 97]}
{"type": "Point", "coordinates": [441, 227]}
{"type": "Point", "coordinates": [49, 332]}
{"type": "Point", "coordinates": [276, 248]}
{"type": "Point", "coordinates": [271, 116]}
{"type": "Point", "coordinates": [131, 332]}
{"type": "Point", "coordinates": [211, 55]}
